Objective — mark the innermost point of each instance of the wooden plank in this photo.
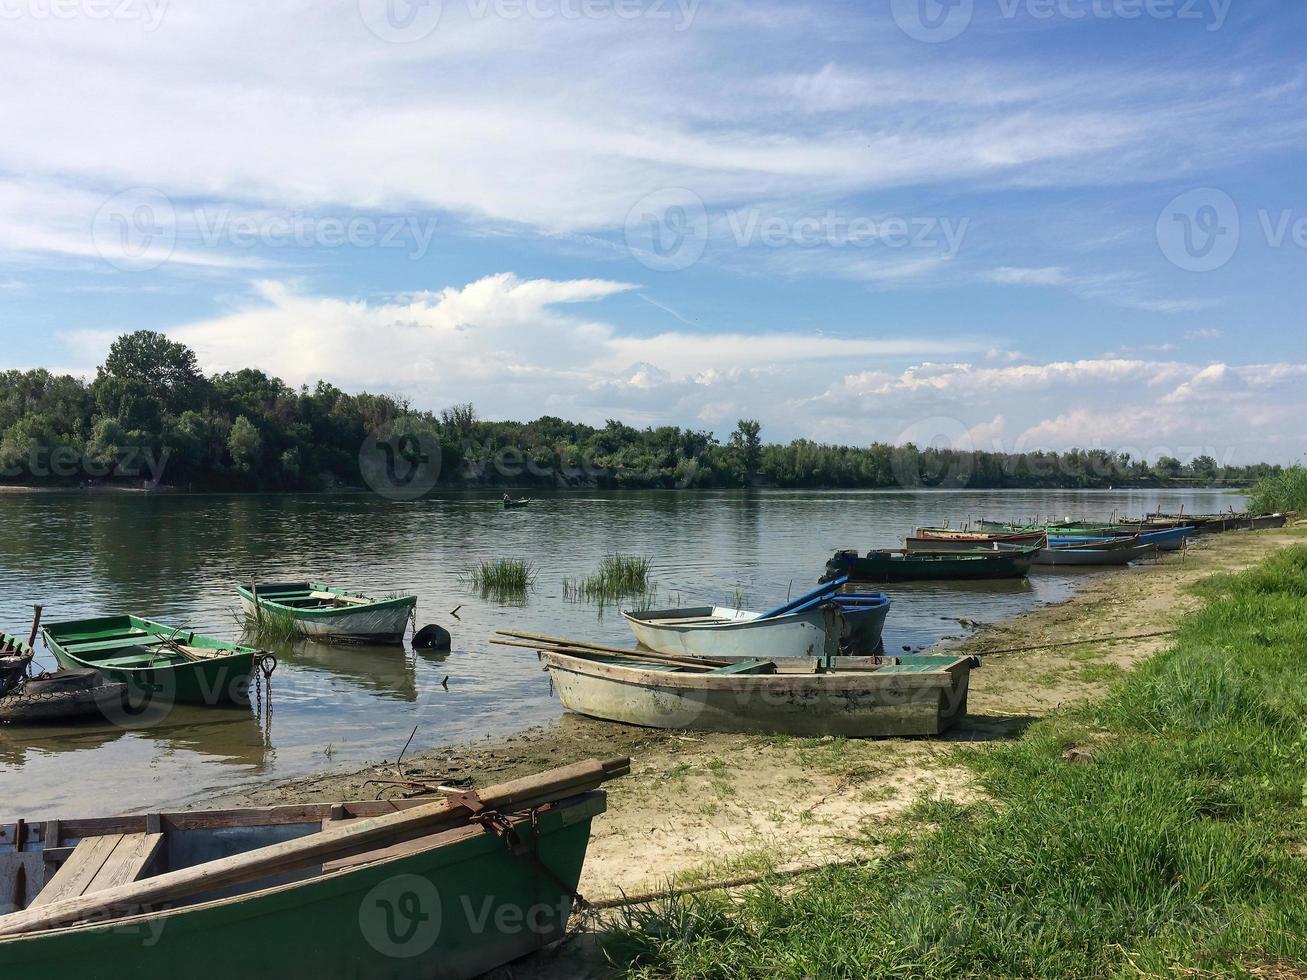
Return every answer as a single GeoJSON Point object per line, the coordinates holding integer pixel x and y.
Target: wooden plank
{"type": "Point", "coordinates": [128, 861]}
{"type": "Point", "coordinates": [313, 849]}
{"type": "Point", "coordinates": [21, 877]}
{"type": "Point", "coordinates": [415, 846]}
{"type": "Point", "coordinates": [746, 667]}
{"type": "Point", "coordinates": [78, 871]}
{"type": "Point", "coordinates": [349, 599]}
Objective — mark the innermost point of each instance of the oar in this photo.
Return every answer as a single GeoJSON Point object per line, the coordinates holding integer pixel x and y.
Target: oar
{"type": "Point", "coordinates": [536, 642]}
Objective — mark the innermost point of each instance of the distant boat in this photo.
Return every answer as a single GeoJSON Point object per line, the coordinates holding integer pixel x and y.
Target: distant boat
{"type": "Point", "coordinates": [155, 660]}
{"type": "Point", "coordinates": [899, 566]}
{"type": "Point", "coordinates": [510, 504]}
{"type": "Point", "coordinates": [852, 622]}
{"type": "Point", "coordinates": [380, 888]}
{"type": "Point", "coordinates": [331, 613]}
{"type": "Point", "coordinates": [892, 696]}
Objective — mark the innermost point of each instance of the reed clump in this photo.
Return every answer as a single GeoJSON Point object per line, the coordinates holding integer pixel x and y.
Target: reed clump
{"type": "Point", "coordinates": [619, 576]}
{"type": "Point", "coordinates": [272, 625]}
{"type": "Point", "coordinates": [503, 578]}
{"type": "Point", "coordinates": [1158, 832]}
{"type": "Point", "coordinates": [1280, 493]}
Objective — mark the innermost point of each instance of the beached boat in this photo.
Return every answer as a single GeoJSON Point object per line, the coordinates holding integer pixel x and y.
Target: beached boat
{"type": "Point", "coordinates": [972, 544]}
{"type": "Point", "coordinates": [849, 622]}
{"type": "Point", "coordinates": [945, 534]}
{"type": "Point", "coordinates": [329, 613]}
{"type": "Point", "coordinates": [449, 887]}
{"type": "Point", "coordinates": [900, 566]}
{"type": "Point", "coordinates": [156, 662]}
{"type": "Point", "coordinates": [877, 697]}
{"type": "Point", "coordinates": [1109, 553]}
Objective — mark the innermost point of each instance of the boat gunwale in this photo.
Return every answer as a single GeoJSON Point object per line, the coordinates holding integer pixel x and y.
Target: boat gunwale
{"type": "Point", "coordinates": [839, 680]}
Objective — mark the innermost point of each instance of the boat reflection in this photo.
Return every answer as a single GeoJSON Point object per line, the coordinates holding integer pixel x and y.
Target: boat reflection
{"type": "Point", "coordinates": [388, 671]}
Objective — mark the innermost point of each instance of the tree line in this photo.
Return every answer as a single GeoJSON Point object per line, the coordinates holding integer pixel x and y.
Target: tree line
{"type": "Point", "coordinates": [150, 414]}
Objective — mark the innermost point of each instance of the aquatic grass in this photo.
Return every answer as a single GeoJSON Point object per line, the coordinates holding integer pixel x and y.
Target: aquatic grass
{"type": "Point", "coordinates": [502, 578]}
{"type": "Point", "coordinates": [270, 625]}
{"type": "Point", "coordinates": [1171, 843]}
{"type": "Point", "coordinates": [619, 576]}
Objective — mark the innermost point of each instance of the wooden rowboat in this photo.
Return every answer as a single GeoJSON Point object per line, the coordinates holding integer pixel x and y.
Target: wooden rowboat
{"type": "Point", "coordinates": [859, 698]}
{"type": "Point", "coordinates": [329, 613]}
{"type": "Point", "coordinates": [822, 622]}
{"type": "Point", "coordinates": [510, 504]}
{"type": "Point", "coordinates": [448, 888]}
{"type": "Point", "coordinates": [1085, 555]}
{"type": "Point", "coordinates": [898, 566]}
{"type": "Point", "coordinates": [158, 663]}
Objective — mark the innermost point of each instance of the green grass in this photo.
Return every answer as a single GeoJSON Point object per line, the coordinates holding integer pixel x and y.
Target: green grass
{"type": "Point", "coordinates": [271, 625]}
{"type": "Point", "coordinates": [1285, 491]}
{"type": "Point", "coordinates": [619, 576]}
{"type": "Point", "coordinates": [502, 578]}
{"type": "Point", "coordinates": [1179, 850]}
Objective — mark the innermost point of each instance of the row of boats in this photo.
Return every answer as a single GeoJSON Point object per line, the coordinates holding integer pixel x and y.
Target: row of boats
{"type": "Point", "coordinates": [1005, 549]}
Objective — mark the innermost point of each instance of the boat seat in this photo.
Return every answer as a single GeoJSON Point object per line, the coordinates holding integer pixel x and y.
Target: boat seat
{"type": "Point", "coordinates": [144, 659]}
{"type": "Point", "coordinates": [98, 863]}
{"type": "Point", "coordinates": [123, 643]}
{"type": "Point", "coordinates": [747, 667]}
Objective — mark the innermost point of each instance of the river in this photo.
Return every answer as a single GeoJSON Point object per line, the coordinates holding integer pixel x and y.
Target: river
{"type": "Point", "coordinates": [176, 559]}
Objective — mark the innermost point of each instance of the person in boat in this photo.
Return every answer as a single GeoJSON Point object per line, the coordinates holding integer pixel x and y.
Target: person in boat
{"type": "Point", "coordinates": [507, 499]}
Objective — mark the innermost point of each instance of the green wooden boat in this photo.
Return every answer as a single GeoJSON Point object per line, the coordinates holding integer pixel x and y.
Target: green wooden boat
{"type": "Point", "coordinates": [898, 566]}
{"type": "Point", "coordinates": [330, 613]}
{"type": "Point", "coordinates": [447, 887]}
{"type": "Point", "coordinates": [158, 663]}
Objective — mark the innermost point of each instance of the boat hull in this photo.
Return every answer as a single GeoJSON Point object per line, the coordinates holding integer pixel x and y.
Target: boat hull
{"type": "Point", "coordinates": [925, 697]}
{"type": "Point", "coordinates": [1078, 556]}
{"type": "Point", "coordinates": [19, 708]}
{"type": "Point", "coordinates": [739, 633]}
{"type": "Point", "coordinates": [387, 624]}
{"type": "Point", "coordinates": [932, 568]}
{"type": "Point", "coordinates": [455, 911]}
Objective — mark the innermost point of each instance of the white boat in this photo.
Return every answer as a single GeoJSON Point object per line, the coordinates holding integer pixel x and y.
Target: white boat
{"type": "Point", "coordinates": [822, 624]}
{"type": "Point", "coordinates": [329, 613]}
{"type": "Point", "coordinates": [879, 697]}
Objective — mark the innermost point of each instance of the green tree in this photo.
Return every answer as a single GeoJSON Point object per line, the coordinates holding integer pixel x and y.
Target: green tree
{"type": "Point", "coordinates": [244, 444]}
{"type": "Point", "coordinates": [746, 446]}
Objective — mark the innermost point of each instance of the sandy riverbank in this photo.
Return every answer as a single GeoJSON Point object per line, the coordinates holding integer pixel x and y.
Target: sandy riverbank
{"type": "Point", "coordinates": [707, 806]}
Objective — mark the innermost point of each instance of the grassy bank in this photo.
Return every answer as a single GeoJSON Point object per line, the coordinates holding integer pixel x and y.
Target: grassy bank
{"type": "Point", "coordinates": [1159, 832]}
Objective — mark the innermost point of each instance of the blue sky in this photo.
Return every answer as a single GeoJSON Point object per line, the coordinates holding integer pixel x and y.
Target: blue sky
{"type": "Point", "coordinates": [1007, 224]}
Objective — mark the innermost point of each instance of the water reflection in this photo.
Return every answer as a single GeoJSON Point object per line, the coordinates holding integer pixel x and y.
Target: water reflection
{"type": "Point", "coordinates": [176, 559]}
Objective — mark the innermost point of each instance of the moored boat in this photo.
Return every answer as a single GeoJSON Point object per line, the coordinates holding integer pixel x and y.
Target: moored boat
{"type": "Point", "coordinates": [900, 566]}
{"type": "Point", "coordinates": [328, 612]}
{"type": "Point", "coordinates": [827, 620]}
{"type": "Point", "coordinates": [64, 695]}
{"type": "Point", "coordinates": [158, 663]}
{"type": "Point", "coordinates": [1094, 555]}
{"type": "Point", "coordinates": [451, 887]}
{"type": "Point", "coordinates": [880, 697]}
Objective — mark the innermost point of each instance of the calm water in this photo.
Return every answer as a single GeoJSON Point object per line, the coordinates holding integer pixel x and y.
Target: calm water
{"type": "Point", "coordinates": [177, 558]}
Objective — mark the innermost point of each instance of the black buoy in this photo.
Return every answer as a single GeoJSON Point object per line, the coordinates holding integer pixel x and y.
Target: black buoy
{"type": "Point", "coordinates": [432, 637]}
